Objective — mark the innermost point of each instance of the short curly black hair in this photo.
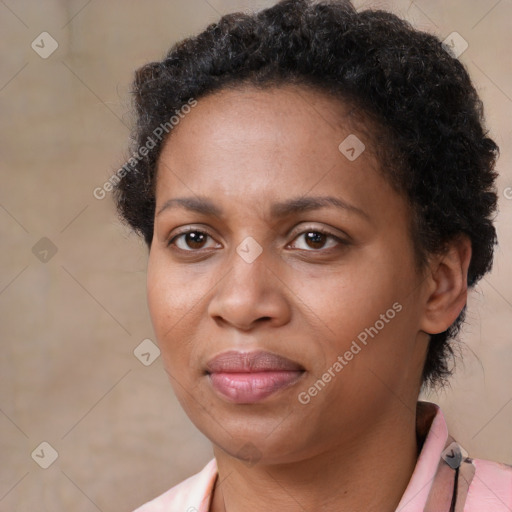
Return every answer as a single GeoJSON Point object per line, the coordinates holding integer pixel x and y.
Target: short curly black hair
{"type": "Point", "coordinates": [427, 117]}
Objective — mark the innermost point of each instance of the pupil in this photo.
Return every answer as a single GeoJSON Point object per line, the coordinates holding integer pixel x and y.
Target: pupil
{"type": "Point", "coordinates": [193, 238]}
{"type": "Point", "coordinates": [315, 238]}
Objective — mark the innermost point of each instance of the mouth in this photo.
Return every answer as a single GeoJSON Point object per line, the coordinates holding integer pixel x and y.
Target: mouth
{"type": "Point", "coordinates": [249, 377]}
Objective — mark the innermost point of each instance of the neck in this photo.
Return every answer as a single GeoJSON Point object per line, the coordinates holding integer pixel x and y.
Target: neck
{"type": "Point", "coordinates": [368, 473]}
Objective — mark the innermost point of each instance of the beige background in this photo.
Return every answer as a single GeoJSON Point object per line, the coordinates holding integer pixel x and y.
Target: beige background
{"type": "Point", "coordinates": [70, 325]}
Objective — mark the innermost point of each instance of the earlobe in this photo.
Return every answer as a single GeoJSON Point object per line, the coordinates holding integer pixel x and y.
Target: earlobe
{"type": "Point", "coordinates": [447, 291]}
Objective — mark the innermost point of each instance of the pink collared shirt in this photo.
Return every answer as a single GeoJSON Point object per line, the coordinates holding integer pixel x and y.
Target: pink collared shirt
{"type": "Point", "coordinates": [490, 489]}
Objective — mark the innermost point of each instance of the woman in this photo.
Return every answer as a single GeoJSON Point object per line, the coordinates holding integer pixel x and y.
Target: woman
{"type": "Point", "coordinates": [316, 190]}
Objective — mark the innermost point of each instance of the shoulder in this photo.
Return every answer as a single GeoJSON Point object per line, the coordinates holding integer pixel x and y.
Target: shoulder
{"type": "Point", "coordinates": [191, 495]}
{"type": "Point", "coordinates": [491, 487]}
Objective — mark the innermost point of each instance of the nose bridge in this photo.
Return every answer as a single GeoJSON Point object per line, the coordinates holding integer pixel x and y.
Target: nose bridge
{"type": "Point", "coordinates": [249, 250]}
{"type": "Point", "coordinates": [248, 265]}
{"type": "Point", "coordinates": [249, 290]}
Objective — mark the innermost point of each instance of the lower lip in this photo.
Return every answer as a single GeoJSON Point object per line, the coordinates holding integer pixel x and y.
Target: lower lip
{"type": "Point", "coordinates": [247, 388]}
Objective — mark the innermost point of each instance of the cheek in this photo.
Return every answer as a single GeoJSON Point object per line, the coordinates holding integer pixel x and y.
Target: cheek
{"type": "Point", "coordinates": [367, 301]}
{"type": "Point", "coordinates": [171, 291]}
{"type": "Point", "coordinates": [159, 299]}
{"type": "Point", "coordinates": [346, 300]}
{"type": "Point", "coordinates": [169, 302]}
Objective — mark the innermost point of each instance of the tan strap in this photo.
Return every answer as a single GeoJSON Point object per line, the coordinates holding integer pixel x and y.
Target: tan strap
{"type": "Point", "coordinates": [451, 483]}
{"type": "Point", "coordinates": [466, 474]}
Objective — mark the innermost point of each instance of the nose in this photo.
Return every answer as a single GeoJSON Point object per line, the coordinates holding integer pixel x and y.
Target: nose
{"type": "Point", "coordinates": [251, 293]}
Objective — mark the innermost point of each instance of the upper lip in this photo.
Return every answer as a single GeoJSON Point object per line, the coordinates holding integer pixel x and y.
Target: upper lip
{"type": "Point", "coordinates": [234, 361]}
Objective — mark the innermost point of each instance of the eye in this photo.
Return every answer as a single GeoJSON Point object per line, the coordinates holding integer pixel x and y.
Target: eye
{"type": "Point", "coordinates": [315, 239]}
{"type": "Point", "coordinates": [192, 238]}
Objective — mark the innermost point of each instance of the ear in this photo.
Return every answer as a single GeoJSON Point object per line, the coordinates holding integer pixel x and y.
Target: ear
{"type": "Point", "coordinates": [446, 290]}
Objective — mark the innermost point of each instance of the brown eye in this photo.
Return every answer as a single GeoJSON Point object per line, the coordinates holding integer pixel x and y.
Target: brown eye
{"type": "Point", "coordinates": [190, 240]}
{"type": "Point", "coordinates": [316, 240]}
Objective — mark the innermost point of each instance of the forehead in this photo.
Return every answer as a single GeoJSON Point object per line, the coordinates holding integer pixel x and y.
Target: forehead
{"type": "Point", "coordinates": [248, 153]}
{"type": "Point", "coordinates": [234, 131]}
{"type": "Point", "coordinates": [249, 148]}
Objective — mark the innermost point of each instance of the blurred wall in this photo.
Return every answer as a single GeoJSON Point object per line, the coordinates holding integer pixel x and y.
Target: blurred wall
{"type": "Point", "coordinates": [72, 279]}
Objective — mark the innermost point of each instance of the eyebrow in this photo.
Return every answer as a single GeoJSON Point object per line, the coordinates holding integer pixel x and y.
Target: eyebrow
{"type": "Point", "coordinates": [281, 209]}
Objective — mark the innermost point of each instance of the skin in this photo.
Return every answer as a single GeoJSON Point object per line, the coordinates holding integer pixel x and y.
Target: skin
{"type": "Point", "coordinates": [353, 446]}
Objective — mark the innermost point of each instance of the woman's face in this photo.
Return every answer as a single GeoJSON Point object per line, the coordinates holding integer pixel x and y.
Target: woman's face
{"type": "Point", "coordinates": [286, 329]}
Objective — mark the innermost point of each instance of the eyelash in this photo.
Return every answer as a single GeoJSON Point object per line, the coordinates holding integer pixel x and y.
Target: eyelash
{"type": "Point", "coordinates": [307, 230]}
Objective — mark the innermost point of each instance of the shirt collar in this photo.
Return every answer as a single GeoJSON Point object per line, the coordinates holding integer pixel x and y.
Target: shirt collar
{"type": "Point", "coordinates": [432, 434]}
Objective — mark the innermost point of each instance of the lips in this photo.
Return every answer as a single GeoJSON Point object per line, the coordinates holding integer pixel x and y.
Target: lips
{"type": "Point", "coordinates": [246, 362]}
{"type": "Point", "coordinates": [249, 377]}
